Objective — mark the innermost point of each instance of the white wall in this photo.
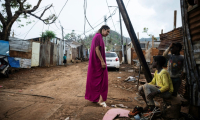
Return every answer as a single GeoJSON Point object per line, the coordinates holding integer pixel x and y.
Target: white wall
{"type": "Point", "coordinates": [129, 56]}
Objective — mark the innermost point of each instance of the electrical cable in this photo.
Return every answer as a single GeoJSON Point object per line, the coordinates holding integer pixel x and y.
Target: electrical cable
{"type": "Point", "coordinates": [127, 4]}
{"type": "Point", "coordinates": [62, 8]}
{"type": "Point", "coordinates": [30, 29]}
{"type": "Point", "coordinates": [110, 14]}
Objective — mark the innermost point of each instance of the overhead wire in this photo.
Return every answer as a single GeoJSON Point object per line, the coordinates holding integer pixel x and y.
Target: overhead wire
{"type": "Point", "coordinates": [62, 8]}
{"type": "Point", "coordinates": [127, 3]}
{"type": "Point", "coordinates": [85, 8]}
{"type": "Point", "coordinates": [102, 21]}
{"type": "Point", "coordinates": [110, 14]}
{"type": "Point", "coordinates": [30, 29]}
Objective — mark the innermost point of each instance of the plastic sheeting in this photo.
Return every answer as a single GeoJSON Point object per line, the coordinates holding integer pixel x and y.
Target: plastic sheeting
{"type": "Point", "coordinates": [19, 62]}
{"type": "Point", "coordinates": [14, 63]}
{"type": "Point", "coordinates": [4, 47]}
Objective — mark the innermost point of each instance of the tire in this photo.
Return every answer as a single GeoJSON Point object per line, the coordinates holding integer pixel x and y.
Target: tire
{"type": "Point", "coordinates": [117, 69]}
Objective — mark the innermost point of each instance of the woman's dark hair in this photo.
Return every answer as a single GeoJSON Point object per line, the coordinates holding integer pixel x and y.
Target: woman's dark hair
{"type": "Point", "coordinates": [160, 60]}
{"type": "Point", "coordinates": [105, 27]}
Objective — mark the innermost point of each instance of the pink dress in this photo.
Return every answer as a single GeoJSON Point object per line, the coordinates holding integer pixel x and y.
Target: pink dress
{"type": "Point", "coordinates": [97, 77]}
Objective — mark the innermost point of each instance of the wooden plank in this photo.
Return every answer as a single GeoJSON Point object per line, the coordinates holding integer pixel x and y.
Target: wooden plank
{"type": "Point", "coordinates": [20, 54]}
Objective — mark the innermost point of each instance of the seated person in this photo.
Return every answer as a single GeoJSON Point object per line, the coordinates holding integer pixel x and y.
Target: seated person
{"type": "Point", "coordinates": [161, 85]}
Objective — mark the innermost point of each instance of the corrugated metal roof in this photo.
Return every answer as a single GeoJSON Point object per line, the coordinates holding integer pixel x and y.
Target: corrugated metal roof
{"type": "Point", "coordinates": [173, 36]}
{"type": "Point", "coordinates": [194, 24]}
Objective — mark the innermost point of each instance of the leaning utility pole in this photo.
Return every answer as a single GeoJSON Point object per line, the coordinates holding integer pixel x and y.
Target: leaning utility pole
{"type": "Point", "coordinates": [134, 40]}
{"type": "Point", "coordinates": [121, 37]}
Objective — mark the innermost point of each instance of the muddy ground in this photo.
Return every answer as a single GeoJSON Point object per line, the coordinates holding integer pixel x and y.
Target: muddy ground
{"type": "Point", "coordinates": [56, 93]}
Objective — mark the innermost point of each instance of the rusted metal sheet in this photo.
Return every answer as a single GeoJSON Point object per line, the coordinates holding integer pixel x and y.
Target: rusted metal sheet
{"type": "Point", "coordinates": [35, 54]}
{"type": "Point", "coordinates": [55, 55]}
{"type": "Point", "coordinates": [134, 40]}
{"type": "Point", "coordinates": [20, 54]}
{"type": "Point", "coordinates": [173, 36]}
{"type": "Point", "coordinates": [74, 52]}
{"type": "Point", "coordinates": [45, 55]}
{"type": "Point", "coordinates": [194, 24]}
{"type": "Point", "coordinates": [190, 63]}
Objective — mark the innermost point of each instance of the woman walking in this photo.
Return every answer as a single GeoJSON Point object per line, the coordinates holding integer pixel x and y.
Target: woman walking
{"type": "Point", "coordinates": [97, 76]}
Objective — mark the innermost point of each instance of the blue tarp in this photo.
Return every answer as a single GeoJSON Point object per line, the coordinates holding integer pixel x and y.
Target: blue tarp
{"type": "Point", "coordinates": [13, 63]}
{"type": "Point", "coordinates": [4, 47]}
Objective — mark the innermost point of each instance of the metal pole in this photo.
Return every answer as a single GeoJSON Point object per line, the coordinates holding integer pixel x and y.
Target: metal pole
{"type": "Point", "coordinates": [63, 40]}
{"type": "Point", "coordinates": [105, 24]}
{"type": "Point", "coordinates": [134, 40]}
{"type": "Point", "coordinates": [121, 37]}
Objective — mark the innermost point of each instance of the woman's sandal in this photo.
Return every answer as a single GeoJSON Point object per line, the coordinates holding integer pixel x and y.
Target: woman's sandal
{"type": "Point", "coordinates": [103, 104]}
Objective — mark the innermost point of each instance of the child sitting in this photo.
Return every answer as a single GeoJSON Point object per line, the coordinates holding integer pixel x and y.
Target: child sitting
{"type": "Point", "coordinates": [161, 85]}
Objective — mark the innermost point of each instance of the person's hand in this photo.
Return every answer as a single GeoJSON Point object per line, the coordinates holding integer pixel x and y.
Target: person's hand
{"type": "Point", "coordinates": [103, 65]}
{"type": "Point", "coordinates": [152, 95]}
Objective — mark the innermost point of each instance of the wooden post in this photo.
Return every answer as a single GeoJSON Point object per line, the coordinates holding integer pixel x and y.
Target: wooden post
{"type": "Point", "coordinates": [162, 31]}
{"type": "Point", "coordinates": [175, 13]}
{"type": "Point", "coordinates": [134, 40]}
{"type": "Point", "coordinates": [138, 37]}
{"type": "Point", "coordinates": [152, 41]}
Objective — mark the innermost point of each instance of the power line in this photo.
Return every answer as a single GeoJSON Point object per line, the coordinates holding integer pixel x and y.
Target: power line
{"type": "Point", "coordinates": [103, 21]}
{"type": "Point", "coordinates": [30, 29]}
{"type": "Point", "coordinates": [110, 14]}
{"type": "Point", "coordinates": [127, 4]}
{"type": "Point", "coordinates": [85, 8]}
{"type": "Point", "coordinates": [54, 22]}
{"type": "Point", "coordinates": [62, 8]}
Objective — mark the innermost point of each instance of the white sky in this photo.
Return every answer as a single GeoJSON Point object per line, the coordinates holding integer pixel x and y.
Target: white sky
{"type": "Point", "coordinates": [154, 14]}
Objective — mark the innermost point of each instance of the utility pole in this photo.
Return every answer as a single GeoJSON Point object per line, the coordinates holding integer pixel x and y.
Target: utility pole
{"type": "Point", "coordinates": [121, 37]}
{"type": "Point", "coordinates": [105, 24]}
{"type": "Point", "coordinates": [63, 39]}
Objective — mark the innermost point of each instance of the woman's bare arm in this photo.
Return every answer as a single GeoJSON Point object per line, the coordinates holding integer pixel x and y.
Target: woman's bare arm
{"type": "Point", "coordinates": [100, 57]}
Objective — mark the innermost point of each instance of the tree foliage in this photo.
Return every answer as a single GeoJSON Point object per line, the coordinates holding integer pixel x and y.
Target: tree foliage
{"type": "Point", "coordinates": [14, 10]}
{"type": "Point", "coordinates": [72, 36]}
{"type": "Point", "coordinates": [48, 35]}
{"type": "Point", "coordinates": [145, 30]}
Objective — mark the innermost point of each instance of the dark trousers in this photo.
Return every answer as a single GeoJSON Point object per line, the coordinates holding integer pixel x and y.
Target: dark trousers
{"type": "Point", "coordinates": [176, 85]}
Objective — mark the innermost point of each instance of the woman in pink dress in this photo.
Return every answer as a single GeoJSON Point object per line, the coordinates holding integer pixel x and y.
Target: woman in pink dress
{"type": "Point", "coordinates": [97, 76]}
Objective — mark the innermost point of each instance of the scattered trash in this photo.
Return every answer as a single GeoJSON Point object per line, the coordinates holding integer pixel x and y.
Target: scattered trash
{"type": "Point", "coordinates": [139, 99]}
{"type": "Point", "coordinates": [130, 78]}
{"type": "Point", "coordinates": [137, 117]}
{"type": "Point", "coordinates": [120, 72]}
{"type": "Point", "coordinates": [31, 90]}
{"type": "Point", "coordinates": [1, 86]}
{"type": "Point", "coordinates": [20, 90]}
{"type": "Point", "coordinates": [115, 112]}
{"type": "Point", "coordinates": [121, 105]}
{"type": "Point", "coordinates": [67, 118]}
{"type": "Point", "coordinates": [119, 77]}
{"type": "Point", "coordinates": [130, 70]}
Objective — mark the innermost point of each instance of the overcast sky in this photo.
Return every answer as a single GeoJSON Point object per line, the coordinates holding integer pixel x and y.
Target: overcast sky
{"type": "Point", "coordinates": [153, 14]}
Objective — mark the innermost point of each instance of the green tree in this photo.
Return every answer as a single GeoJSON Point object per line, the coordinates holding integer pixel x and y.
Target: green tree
{"type": "Point", "coordinates": [73, 36]}
{"type": "Point", "coordinates": [48, 35]}
{"type": "Point", "coordinates": [145, 30]}
{"type": "Point", "coordinates": [15, 10]}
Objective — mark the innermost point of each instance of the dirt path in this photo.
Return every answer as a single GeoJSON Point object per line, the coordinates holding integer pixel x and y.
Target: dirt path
{"type": "Point", "coordinates": [64, 88]}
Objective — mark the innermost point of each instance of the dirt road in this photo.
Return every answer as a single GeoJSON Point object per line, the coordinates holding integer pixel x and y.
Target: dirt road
{"type": "Point", "coordinates": [56, 93]}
